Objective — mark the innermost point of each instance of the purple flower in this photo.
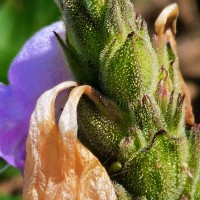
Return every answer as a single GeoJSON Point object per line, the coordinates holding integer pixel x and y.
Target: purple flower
{"type": "Point", "coordinates": [39, 66]}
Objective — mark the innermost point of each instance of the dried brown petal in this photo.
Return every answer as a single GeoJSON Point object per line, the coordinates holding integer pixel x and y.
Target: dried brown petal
{"type": "Point", "coordinates": [165, 28]}
{"type": "Point", "coordinates": [165, 25]}
{"type": "Point", "coordinates": [57, 165]}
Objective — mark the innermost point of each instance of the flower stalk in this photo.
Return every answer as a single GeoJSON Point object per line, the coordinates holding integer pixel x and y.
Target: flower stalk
{"type": "Point", "coordinates": [147, 150]}
{"type": "Point", "coordinates": [123, 131]}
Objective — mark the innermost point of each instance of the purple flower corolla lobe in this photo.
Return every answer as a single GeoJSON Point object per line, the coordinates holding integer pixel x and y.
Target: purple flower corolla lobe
{"type": "Point", "coordinates": [39, 66]}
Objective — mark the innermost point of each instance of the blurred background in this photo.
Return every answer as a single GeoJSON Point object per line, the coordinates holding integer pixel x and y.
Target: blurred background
{"type": "Point", "coordinates": [19, 19]}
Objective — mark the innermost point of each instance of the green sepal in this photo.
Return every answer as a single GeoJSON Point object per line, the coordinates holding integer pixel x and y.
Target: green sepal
{"type": "Point", "coordinates": [83, 21]}
{"type": "Point", "coordinates": [119, 74]}
{"type": "Point", "coordinates": [107, 107]}
{"type": "Point", "coordinates": [125, 75]}
{"type": "Point", "coordinates": [168, 59]}
{"type": "Point", "coordinates": [119, 22]}
{"type": "Point", "coordinates": [130, 145]}
{"type": "Point", "coordinates": [121, 193]}
{"type": "Point", "coordinates": [155, 172]}
{"type": "Point", "coordinates": [150, 117]}
{"type": "Point", "coordinates": [100, 134]}
{"type": "Point", "coordinates": [192, 188]}
{"type": "Point", "coordinates": [83, 74]}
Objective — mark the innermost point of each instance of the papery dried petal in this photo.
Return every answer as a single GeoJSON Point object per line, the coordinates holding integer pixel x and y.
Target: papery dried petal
{"type": "Point", "coordinates": [165, 25]}
{"type": "Point", "coordinates": [58, 166]}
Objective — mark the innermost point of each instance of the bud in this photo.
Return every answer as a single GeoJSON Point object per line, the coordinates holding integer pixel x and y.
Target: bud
{"type": "Point", "coordinates": [135, 123]}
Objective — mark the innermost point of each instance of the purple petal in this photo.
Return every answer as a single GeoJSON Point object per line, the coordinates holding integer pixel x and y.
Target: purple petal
{"type": "Point", "coordinates": [39, 66]}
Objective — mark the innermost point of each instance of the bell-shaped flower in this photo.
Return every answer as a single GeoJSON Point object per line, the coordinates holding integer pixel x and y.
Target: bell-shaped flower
{"type": "Point", "coordinates": [39, 66]}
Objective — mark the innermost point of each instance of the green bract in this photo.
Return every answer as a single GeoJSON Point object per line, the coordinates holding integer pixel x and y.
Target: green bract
{"type": "Point", "coordinates": [136, 122]}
